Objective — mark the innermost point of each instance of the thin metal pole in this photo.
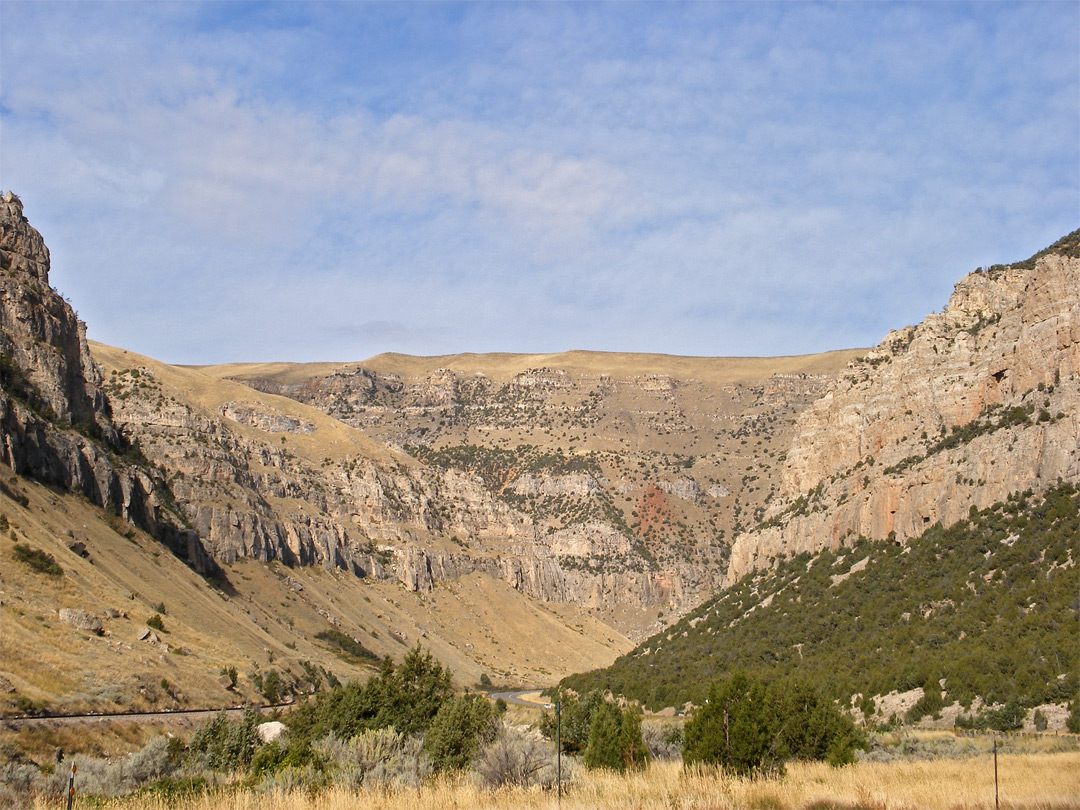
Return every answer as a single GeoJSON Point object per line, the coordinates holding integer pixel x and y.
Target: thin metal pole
{"type": "Point", "coordinates": [558, 749]}
{"type": "Point", "coordinates": [71, 786]}
{"type": "Point", "coordinates": [995, 776]}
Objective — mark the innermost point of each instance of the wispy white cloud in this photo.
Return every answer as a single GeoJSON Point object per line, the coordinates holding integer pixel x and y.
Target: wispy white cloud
{"type": "Point", "coordinates": [309, 180]}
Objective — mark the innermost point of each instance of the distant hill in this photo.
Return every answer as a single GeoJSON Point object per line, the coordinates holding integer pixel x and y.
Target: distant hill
{"type": "Point", "coordinates": [988, 604]}
{"type": "Point", "coordinates": [285, 518]}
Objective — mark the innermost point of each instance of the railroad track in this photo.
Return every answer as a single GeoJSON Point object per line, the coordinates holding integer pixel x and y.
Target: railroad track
{"type": "Point", "coordinates": [29, 721]}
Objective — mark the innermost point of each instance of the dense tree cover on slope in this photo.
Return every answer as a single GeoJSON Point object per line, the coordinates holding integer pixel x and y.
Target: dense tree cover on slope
{"type": "Point", "coordinates": [990, 604]}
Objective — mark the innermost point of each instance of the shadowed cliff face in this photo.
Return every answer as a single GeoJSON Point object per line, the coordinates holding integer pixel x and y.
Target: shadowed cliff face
{"type": "Point", "coordinates": [974, 403]}
{"type": "Point", "coordinates": [55, 421]}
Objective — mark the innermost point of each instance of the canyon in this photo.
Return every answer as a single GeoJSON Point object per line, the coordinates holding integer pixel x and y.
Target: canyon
{"type": "Point", "coordinates": [595, 498]}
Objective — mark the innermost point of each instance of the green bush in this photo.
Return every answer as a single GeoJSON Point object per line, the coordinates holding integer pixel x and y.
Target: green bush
{"type": "Point", "coordinates": [577, 716]}
{"type": "Point", "coordinates": [632, 748]}
{"type": "Point", "coordinates": [930, 703]}
{"type": "Point", "coordinates": [1040, 721]}
{"type": "Point", "coordinates": [37, 559]}
{"type": "Point", "coordinates": [1009, 717]}
{"type": "Point", "coordinates": [221, 745]}
{"type": "Point", "coordinates": [748, 727]}
{"type": "Point", "coordinates": [458, 731]}
{"type": "Point", "coordinates": [1072, 722]}
{"type": "Point", "coordinates": [615, 741]}
{"type": "Point", "coordinates": [271, 686]}
{"type": "Point", "coordinates": [155, 622]}
{"type": "Point", "coordinates": [405, 698]}
{"type": "Point", "coordinates": [733, 728]}
{"type": "Point", "coordinates": [604, 747]}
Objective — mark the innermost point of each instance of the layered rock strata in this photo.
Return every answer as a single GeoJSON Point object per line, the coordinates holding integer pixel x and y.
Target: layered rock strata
{"type": "Point", "coordinates": [55, 421]}
{"type": "Point", "coordinates": [975, 403]}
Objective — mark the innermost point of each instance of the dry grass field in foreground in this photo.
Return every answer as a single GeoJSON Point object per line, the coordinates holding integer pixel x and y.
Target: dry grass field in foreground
{"type": "Point", "coordinates": [1043, 781]}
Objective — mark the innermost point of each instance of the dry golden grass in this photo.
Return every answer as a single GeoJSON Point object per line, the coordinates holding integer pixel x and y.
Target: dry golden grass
{"type": "Point", "coordinates": [265, 622]}
{"type": "Point", "coordinates": [1047, 782]}
{"type": "Point", "coordinates": [207, 389]}
{"type": "Point", "coordinates": [501, 366]}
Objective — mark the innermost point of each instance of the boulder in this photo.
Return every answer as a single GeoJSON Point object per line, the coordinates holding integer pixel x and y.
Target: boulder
{"type": "Point", "coordinates": [268, 732]}
{"type": "Point", "coordinates": [81, 619]}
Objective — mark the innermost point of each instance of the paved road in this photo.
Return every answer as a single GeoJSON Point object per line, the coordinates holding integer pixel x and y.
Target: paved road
{"type": "Point", "coordinates": [528, 697]}
{"type": "Point", "coordinates": [137, 717]}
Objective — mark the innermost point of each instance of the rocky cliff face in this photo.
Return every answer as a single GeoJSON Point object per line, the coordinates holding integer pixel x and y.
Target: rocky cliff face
{"type": "Point", "coordinates": [605, 480]}
{"type": "Point", "coordinates": [55, 422]}
{"type": "Point", "coordinates": [600, 489]}
{"type": "Point", "coordinates": [974, 403]}
{"type": "Point", "coordinates": [247, 494]}
{"type": "Point", "coordinates": [42, 342]}
{"type": "Point", "coordinates": [572, 479]}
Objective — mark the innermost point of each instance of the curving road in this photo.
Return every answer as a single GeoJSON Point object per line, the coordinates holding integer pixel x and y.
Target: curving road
{"type": "Point", "coordinates": [523, 697]}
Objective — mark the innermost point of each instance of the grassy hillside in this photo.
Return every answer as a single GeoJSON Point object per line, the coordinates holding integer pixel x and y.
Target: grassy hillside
{"type": "Point", "coordinates": [309, 625]}
{"type": "Point", "coordinates": [501, 367]}
{"type": "Point", "coordinates": [989, 604]}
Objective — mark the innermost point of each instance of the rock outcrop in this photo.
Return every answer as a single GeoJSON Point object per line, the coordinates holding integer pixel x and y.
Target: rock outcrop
{"type": "Point", "coordinates": [975, 403]}
{"type": "Point", "coordinates": [81, 620]}
{"type": "Point", "coordinates": [55, 421]}
{"type": "Point", "coordinates": [567, 480]}
{"type": "Point", "coordinates": [551, 475]}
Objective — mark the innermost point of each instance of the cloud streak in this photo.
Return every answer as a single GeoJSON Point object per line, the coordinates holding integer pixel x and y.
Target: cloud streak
{"type": "Point", "coordinates": [310, 181]}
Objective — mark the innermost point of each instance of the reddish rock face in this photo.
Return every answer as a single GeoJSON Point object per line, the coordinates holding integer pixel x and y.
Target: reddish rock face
{"type": "Point", "coordinates": [974, 403]}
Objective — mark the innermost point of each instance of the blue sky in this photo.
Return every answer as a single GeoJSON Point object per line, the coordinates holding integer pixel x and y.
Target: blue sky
{"type": "Point", "coordinates": [309, 181]}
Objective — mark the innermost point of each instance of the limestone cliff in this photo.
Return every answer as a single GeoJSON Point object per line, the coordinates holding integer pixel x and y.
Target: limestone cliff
{"type": "Point", "coordinates": [43, 344]}
{"type": "Point", "coordinates": [309, 498]}
{"type": "Point", "coordinates": [976, 402]}
{"type": "Point", "coordinates": [55, 421]}
{"type": "Point", "coordinates": [604, 480]}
